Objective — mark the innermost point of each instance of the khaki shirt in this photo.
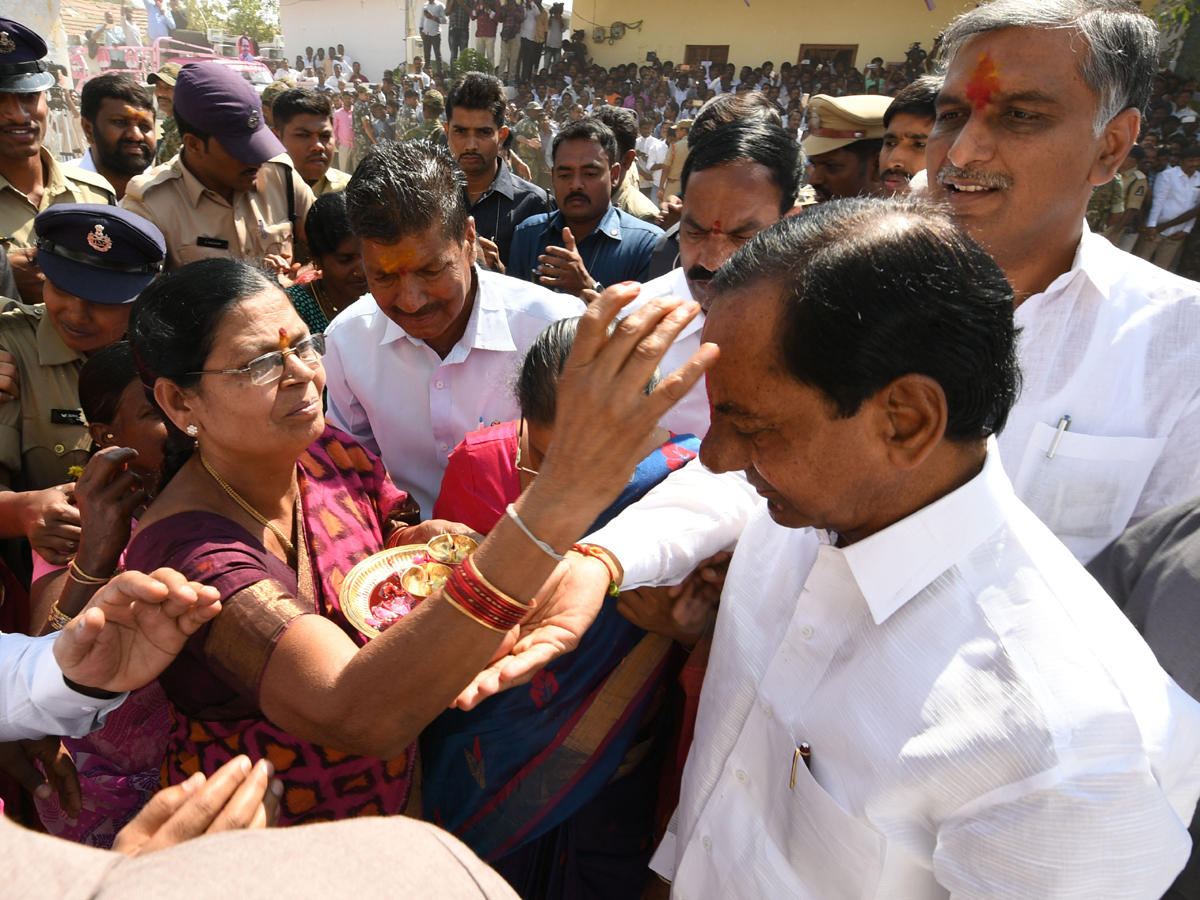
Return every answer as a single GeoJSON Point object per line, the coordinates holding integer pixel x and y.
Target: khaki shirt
{"type": "Point", "coordinates": [64, 184]}
{"type": "Point", "coordinates": [199, 223]}
{"type": "Point", "coordinates": [628, 198]}
{"type": "Point", "coordinates": [332, 181]}
{"type": "Point", "coordinates": [43, 434]}
{"type": "Point", "coordinates": [676, 157]}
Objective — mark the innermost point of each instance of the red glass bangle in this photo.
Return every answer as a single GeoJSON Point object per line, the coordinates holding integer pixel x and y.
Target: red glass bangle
{"type": "Point", "coordinates": [472, 594]}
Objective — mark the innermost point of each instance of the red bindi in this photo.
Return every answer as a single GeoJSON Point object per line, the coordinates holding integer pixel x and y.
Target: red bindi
{"type": "Point", "coordinates": [716, 229]}
{"type": "Point", "coordinates": [985, 81]}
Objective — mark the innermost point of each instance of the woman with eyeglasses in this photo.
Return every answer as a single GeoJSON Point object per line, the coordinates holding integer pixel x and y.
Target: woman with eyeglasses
{"type": "Point", "coordinates": [259, 498]}
{"type": "Point", "coordinates": [569, 799]}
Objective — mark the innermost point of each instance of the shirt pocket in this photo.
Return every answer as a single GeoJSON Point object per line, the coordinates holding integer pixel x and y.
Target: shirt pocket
{"type": "Point", "coordinates": [190, 253]}
{"type": "Point", "coordinates": [818, 846]}
{"type": "Point", "coordinates": [1088, 491]}
{"type": "Point", "coordinates": [48, 449]}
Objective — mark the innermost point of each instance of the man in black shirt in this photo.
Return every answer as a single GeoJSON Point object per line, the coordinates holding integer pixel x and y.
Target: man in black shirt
{"type": "Point", "coordinates": [498, 200]}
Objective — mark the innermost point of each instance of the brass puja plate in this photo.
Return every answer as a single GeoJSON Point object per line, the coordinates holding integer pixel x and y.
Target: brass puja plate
{"type": "Point", "coordinates": [355, 595]}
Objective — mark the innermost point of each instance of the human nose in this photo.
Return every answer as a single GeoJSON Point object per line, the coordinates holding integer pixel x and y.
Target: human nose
{"type": "Point", "coordinates": [973, 144]}
{"type": "Point", "coordinates": [720, 450]}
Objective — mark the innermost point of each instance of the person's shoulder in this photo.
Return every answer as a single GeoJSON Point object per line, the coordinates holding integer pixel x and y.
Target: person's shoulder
{"type": "Point", "coordinates": [362, 315]}
{"type": "Point", "coordinates": [20, 319]}
{"type": "Point", "coordinates": [337, 178]}
{"type": "Point", "coordinates": [141, 185]}
{"type": "Point", "coordinates": [533, 222]}
{"type": "Point", "coordinates": [631, 223]}
{"type": "Point", "coordinates": [524, 298]}
{"type": "Point", "coordinates": [523, 187]}
{"type": "Point", "coordinates": [91, 182]}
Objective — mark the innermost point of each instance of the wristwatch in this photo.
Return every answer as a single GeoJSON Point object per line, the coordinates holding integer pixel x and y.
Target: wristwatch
{"type": "Point", "coordinates": [598, 288]}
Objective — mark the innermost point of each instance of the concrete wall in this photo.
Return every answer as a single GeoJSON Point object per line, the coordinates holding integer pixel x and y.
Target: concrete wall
{"type": "Point", "coordinates": [44, 17]}
{"type": "Point", "coordinates": [763, 29]}
{"type": "Point", "coordinates": [373, 31]}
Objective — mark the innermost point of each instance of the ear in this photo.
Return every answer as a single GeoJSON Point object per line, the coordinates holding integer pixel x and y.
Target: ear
{"type": "Point", "coordinates": [275, 131]}
{"type": "Point", "coordinates": [629, 159]}
{"type": "Point", "coordinates": [87, 130]}
{"type": "Point", "coordinates": [911, 414]}
{"type": "Point", "coordinates": [1119, 135]}
{"type": "Point", "coordinates": [503, 133]}
{"type": "Point", "coordinates": [175, 403]}
{"type": "Point", "coordinates": [614, 175]}
{"type": "Point", "coordinates": [98, 430]}
{"type": "Point", "coordinates": [193, 145]}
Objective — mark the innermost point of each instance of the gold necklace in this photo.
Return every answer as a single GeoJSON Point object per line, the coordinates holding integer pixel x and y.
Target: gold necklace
{"type": "Point", "coordinates": [322, 298]}
{"type": "Point", "coordinates": [287, 545]}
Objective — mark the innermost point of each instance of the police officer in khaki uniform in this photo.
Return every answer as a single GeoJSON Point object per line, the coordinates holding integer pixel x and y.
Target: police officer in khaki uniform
{"type": "Point", "coordinates": [31, 179]}
{"type": "Point", "coordinates": [96, 260]}
{"type": "Point", "coordinates": [845, 135]}
{"type": "Point", "coordinates": [232, 190]}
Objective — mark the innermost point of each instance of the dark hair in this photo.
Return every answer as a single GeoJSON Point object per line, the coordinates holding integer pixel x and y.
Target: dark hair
{"type": "Point", "coordinates": [623, 124]}
{"type": "Point", "coordinates": [589, 128]}
{"type": "Point", "coordinates": [877, 289]}
{"type": "Point", "coordinates": [172, 327]}
{"type": "Point", "coordinates": [1138, 152]}
{"type": "Point", "coordinates": [864, 150]}
{"type": "Point", "coordinates": [185, 128]}
{"type": "Point", "coordinates": [299, 102]}
{"type": "Point", "coordinates": [731, 108]}
{"type": "Point", "coordinates": [118, 86]}
{"type": "Point", "coordinates": [537, 381]}
{"type": "Point", "coordinates": [103, 380]}
{"type": "Point", "coordinates": [405, 188]}
{"type": "Point", "coordinates": [327, 224]}
{"type": "Point", "coordinates": [1190, 151]}
{"type": "Point", "coordinates": [475, 90]}
{"type": "Point", "coordinates": [917, 99]}
{"type": "Point", "coordinates": [749, 140]}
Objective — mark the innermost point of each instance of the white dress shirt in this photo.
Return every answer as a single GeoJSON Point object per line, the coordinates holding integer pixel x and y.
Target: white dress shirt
{"type": "Point", "coordinates": [397, 397]}
{"type": "Point", "coordinates": [1174, 194]}
{"type": "Point", "coordinates": [983, 721]}
{"type": "Point", "coordinates": [432, 27]}
{"type": "Point", "coordinates": [1113, 344]}
{"type": "Point", "coordinates": [690, 415]}
{"type": "Point", "coordinates": [34, 699]}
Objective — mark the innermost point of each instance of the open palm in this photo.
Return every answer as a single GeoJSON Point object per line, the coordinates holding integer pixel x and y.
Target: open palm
{"type": "Point", "coordinates": [132, 629]}
{"type": "Point", "coordinates": [567, 605]}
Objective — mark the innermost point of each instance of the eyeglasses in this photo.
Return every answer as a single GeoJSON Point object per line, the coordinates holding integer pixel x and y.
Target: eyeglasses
{"type": "Point", "coordinates": [520, 436]}
{"type": "Point", "coordinates": [268, 368]}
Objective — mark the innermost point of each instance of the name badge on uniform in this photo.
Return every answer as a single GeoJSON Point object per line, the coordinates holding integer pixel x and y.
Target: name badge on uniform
{"type": "Point", "coordinates": [67, 417]}
{"type": "Point", "coordinates": [214, 243]}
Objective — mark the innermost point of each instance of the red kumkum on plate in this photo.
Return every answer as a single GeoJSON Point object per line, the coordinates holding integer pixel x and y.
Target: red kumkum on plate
{"type": "Point", "coordinates": [365, 582]}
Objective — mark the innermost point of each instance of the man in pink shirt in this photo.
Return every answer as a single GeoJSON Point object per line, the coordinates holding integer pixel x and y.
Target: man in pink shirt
{"type": "Point", "coordinates": [343, 132]}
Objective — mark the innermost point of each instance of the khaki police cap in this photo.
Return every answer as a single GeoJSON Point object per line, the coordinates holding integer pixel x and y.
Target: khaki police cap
{"type": "Point", "coordinates": [835, 122]}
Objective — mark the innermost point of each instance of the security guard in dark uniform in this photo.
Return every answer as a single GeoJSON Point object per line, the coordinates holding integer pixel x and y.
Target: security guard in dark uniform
{"type": "Point", "coordinates": [31, 180]}
{"type": "Point", "coordinates": [96, 260]}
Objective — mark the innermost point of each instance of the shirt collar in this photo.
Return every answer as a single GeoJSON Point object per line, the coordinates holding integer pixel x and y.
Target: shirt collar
{"type": "Point", "coordinates": [195, 190]}
{"type": "Point", "coordinates": [55, 182]}
{"type": "Point", "coordinates": [1097, 260]}
{"type": "Point", "coordinates": [487, 326]}
{"type": "Point", "coordinates": [894, 565]}
{"type": "Point", "coordinates": [502, 183]}
{"type": "Point", "coordinates": [51, 349]}
{"type": "Point", "coordinates": [610, 225]}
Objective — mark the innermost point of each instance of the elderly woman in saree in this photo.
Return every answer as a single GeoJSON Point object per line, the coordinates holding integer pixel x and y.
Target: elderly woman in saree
{"type": "Point", "coordinates": [260, 499]}
{"type": "Point", "coordinates": [556, 785]}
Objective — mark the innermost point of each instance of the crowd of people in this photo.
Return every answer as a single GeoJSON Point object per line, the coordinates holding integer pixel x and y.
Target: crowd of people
{"type": "Point", "coordinates": [831, 477]}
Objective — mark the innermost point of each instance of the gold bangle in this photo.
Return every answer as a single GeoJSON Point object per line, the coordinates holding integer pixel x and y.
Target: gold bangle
{"type": "Point", "coordinates": [57, 618]}
{"type": "Point", "coordinates": [78, 575]}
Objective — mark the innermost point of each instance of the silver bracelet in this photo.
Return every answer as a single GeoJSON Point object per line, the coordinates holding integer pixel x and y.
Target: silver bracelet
{"type": "Point", "coordinates": [542, 545]}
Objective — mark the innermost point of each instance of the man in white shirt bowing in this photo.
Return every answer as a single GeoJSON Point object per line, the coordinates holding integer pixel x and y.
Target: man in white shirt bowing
{"type": "Point", "coordinates": [914, 689]}
{"type": "Point", "coordinates": [429, 354]}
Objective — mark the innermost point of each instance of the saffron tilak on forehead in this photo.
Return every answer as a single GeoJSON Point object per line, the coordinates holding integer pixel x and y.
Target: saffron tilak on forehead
{"type": "Point", "coordinates": [283, 339]}
{"type": "Point", "coordinates": [985, 81]}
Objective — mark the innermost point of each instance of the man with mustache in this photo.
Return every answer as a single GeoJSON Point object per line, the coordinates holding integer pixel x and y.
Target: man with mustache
{"type": "Point", "coordinates": [740, 178]}
{"type": "Point", "coordinates": [588, 243]}
{"type": "Point", "coordinates": [117, 115]}
{"type": "Point", "coordinates": [232, 190]}
{"type": "Point", "coordinates": [304, 123]}
{"type": "Point", "coordinates": [498, 200]}
{"type": "Point", "coordinates": [844, 138]}
{"type": "Point", "coordinates": [31, 179]}
{"type": "Point", "coordinates": [1032, 116]}
{"type": "Point", "coordinates": [907, 123]}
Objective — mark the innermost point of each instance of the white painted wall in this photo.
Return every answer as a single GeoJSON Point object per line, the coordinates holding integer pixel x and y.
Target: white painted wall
{"type": "Point", "coordinates": [44, 17]}
{"type": "Point", "coordinates": [372, 31]}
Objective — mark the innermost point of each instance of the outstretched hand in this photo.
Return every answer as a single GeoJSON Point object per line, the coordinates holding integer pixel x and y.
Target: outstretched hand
{"type": "Point", "coordinates": [567, 605]}
{"type": "Point", "coordinates": [132, 629]}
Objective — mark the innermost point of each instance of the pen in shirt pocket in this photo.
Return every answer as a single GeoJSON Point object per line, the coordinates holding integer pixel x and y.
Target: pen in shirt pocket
{"type": "Point", "coordinates": [803, 752]}
{"type": "Point", "coordinates": [1063, 424]}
